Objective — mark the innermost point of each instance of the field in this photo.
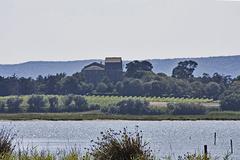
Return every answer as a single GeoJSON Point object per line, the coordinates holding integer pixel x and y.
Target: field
{"type": "Point", "coordinates": [156, 103]}
{"type": "Point", "coordinates": [109, 100]}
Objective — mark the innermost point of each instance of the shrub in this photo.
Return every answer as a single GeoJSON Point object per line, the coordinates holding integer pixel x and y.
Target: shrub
{"type": "Point", "coordinates": [36, 103]}
{"type": "Point", "coordinates": [75, 104]}
{"type": "Point", "coordinates": [186, 109]}
{"type": "Point", "coordinates": [80, 104]}
{"type": "Point", "coordinates": [2, 107]}
{"type": "Point", "coordinates": [6, 142]}
{"type": "Point", "coordinates": [68, 102]}
{"type": "Point", "coordinates": [231, 102]}
{"type": "Point", "coordinates": [121, 145]}
{"type": "Point", "coordinates": [53, 104]}
{"type": "Point", "coordinates": [134, 107]}
{"type": "Point", "coordinates": [13, 105]}
{"type": "Point", "coordinates": [94, 107]}
{"type": "Point", "coordinates": [101, 87]}
{"type": "Point", "coordinates": [195, 156]}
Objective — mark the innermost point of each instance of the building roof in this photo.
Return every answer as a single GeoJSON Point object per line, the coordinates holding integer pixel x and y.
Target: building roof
{"type": "Point", "coordinates": [94, 66]}
{"type": "Point", "coordinates": [113, 60]}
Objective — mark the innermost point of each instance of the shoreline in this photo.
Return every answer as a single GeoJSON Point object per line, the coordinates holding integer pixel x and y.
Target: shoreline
{"type": "Point", "coordinates": [222, 116]}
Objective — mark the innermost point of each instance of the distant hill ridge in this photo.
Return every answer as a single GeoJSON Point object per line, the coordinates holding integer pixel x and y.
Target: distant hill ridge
{"type": "Point", "coordinates": [227, 65]}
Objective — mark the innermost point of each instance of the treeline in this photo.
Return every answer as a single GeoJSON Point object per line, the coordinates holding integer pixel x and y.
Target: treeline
{"type": "Point", "coordinates": [138, 80]}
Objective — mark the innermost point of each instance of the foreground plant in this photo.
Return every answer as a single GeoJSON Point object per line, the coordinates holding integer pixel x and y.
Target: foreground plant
{"type": "Point", "coordinates": [122, 145]}
{"type": "Point", "coordinates": [6, 142]}
{"type": "Point", "coordinates": [195, 157]}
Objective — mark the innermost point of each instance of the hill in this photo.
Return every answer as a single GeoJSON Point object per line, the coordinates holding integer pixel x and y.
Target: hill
{"type": "Point", "coordinates": [228, 65]}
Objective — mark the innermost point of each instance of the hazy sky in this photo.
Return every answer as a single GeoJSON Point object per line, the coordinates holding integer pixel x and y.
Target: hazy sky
{"type": "Point", "coordinates": [133, 29]}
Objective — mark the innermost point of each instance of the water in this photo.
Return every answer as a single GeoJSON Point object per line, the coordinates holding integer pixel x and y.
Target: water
{"type": "Point", "coordinates": [166, 137]}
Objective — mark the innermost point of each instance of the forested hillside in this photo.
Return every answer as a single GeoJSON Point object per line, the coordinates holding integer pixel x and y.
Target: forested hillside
{"type": "Point", "coordinates": [228, 65]}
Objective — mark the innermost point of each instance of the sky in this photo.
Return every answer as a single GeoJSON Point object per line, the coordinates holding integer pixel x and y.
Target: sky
{"type": "Point", "coordinates": [33, 30]}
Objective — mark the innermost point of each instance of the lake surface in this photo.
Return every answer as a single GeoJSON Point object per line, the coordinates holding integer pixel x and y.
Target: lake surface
{"type": "Point", "coordinates": [166, 137]}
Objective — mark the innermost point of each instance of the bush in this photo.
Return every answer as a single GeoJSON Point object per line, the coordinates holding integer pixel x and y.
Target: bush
{"type": "Point", "coordinates": [94, 107]}
{"type": "Point", "coordinates": [134, 107]}
{"type": "Point", "coordinates": [68, 102]}
{"type": "Point", "coordinates": [36, 103]}
{"type": "Point", "coordinates": [80, 104]}
{"type": "Point", "coordinates": [13, 105]}
{"type": "Point", "coordinates": [6, 142]}
{"type": "Point", "coordinates": [186, 109]}
{"type": "Point", "coordinates": [121, 145]}
{"type": "Point", "coordinates": [75, 104]}
{"type": "Point", "coordinates": [231, 102]}
{"type": "Point", "coordinates": [195, 156]}
{"type": "Point", "coordinates": [2, 107]}
{"type": "Point", "coordinates": [53, 104]}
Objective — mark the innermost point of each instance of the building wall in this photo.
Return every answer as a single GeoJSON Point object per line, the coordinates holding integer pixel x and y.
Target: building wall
{"type": "Point", "coordinates": [114, 71]}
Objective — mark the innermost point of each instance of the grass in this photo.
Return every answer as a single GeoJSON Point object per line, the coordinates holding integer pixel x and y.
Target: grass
{"type": "Point", "coordinates": [99, 116]}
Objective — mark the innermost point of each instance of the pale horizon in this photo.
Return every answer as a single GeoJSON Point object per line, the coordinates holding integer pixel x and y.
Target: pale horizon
{"type": "Point", "coordinates": [68, 30]}
{"type": "Point", "coordinates": [124, 59]}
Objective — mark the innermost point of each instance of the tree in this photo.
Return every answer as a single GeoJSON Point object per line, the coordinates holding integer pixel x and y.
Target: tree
{"type": "Point", "coordinates": [159, 88]}
{"type": "Point", "coordinates": [184, 70]}
{"type": "Point", "coordinates": [54, 105]}
{"type": "Point", "coordinates": [206, 78]}
{"type": "Point", "coordinates": [231, 102]}
{"type": "Point", "coordinates": [13, 105]}
{"type": "Point", "coordinates": [180, 88]}
{"type": "Point", "coordinates": [36, 103]}
{"type": "Point", "coordinates": [132, 87]}
{"type": "Point", "coordinates": [52, 83]}
{"type": "Point", "coordinates": [130, 106]}
{"type": "Point", "coordinates": [68, 103]}
{"type": "Point", "coordinates": [74, 103]}
{"type": "Point", "coordinates": [70, 85]}
{"type": "Point", "coordinates": [138, 66]}
{"type": "Point", "coordinates": [101, 87]}
{"type": "Point", "coordinates": [197, 89]}
{"type": "Point", "coordinates": [222, 79]}
{"type": "Point", "coordinates": [80, 104]}
{"type": "Point", "coordinates": [26, 86]}
{"type": "Point", "coordinates": [213, 90]}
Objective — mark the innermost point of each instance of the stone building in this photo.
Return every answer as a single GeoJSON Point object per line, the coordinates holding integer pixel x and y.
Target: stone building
{"type": "Point", "coordinates": [112, 69]}
{"type": "Point", "coordinates": [94, 72]}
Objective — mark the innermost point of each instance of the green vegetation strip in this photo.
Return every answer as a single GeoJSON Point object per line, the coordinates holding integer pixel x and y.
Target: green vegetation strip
{"type": "Point", "coordinates": [108, 100]}
{"type": "Point", "coordinates": [95, 116]}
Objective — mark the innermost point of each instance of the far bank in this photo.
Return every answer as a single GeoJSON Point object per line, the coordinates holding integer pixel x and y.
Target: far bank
{"type": "Point", "coordinates": [96, 116]}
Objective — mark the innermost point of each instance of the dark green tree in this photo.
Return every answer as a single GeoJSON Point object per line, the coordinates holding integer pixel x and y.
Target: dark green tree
{"type": "Point", "coordinates": [213, 90]}
{"type": "Point", "coordinates": [138, 66]}
{"type": "Point", "coordinates": [231, 102]}
{"type": "Point", "coordinates": [53, 104]}
{"type": "Point", "coordinates": [184, 70]}
{"type": "Point", "coordinates": [26, 86]}
{"type": "Point", "coordinates": [80, 104]}
{"type": "Point", "coordinates": [197, 89]}
{"type": "Point", "coordinates": [36, 103]}
{"type": "Point", "coordinates": [101, 87]}
{"type": "Point", "coordinates": [13, 105]}
{"type": "Point", "coordinates": [159, 88]}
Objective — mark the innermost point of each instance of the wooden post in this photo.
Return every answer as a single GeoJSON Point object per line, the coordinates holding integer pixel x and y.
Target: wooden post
{"type": "Point", "coordinates": [215, 138]}
{"type": "Point", "coordinates": [231, 143]}
{"type": "Point", "coordinates": [205, 150]}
